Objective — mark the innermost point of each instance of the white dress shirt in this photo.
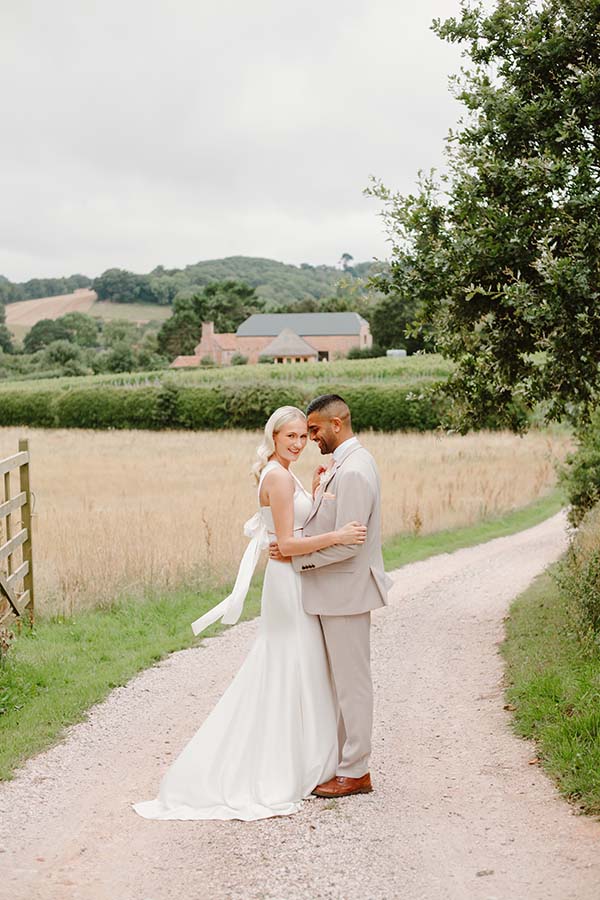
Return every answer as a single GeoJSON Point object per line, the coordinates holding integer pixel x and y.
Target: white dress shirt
{"type": "Point", "coordinates": [342, 449]}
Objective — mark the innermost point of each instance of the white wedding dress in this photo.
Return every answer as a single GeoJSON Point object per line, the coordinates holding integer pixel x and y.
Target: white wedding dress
{"type": "Point", "coordinates": [272, 737]}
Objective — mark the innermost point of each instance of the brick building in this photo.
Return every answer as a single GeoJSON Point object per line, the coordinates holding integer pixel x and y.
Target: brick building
{"type": "Point", "coordinates": [283, 336]}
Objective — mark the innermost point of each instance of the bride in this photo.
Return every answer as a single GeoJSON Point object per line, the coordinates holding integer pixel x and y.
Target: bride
{"type": "Point", "coordinates": [273, 735]}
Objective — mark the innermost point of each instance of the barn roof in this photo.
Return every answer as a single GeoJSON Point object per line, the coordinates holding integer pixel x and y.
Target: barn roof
{"type": "Point", "coordinates": [271, 324]}
{"type": "Point", "coordinates": [288, 343]}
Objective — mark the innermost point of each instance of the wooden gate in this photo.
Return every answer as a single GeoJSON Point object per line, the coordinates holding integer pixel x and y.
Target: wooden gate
{"type": "Point", "coordinates": [16, 563]}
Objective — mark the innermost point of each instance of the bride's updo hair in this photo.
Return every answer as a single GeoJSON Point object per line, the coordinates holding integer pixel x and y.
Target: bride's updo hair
{"type": "Point", "coordinates": [275, 423]}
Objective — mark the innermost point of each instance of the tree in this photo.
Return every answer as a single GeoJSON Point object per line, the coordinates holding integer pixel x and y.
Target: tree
{"type": "Point", "coordinates": [226, 303]}
{"type": "Point", "coordinates": [43, 333]}
{"type": "Point", "coordinates": [179, 335]}
{"type": "Point", "coordinates": [120, 330]}
{"type": "Point", "coordinates": [502, 253]}
{"type": "Point", "coordinates": [121, 286]}
{"type": "Point", "coordinates": [6, 344]}
{"type": "Point", "coordinates": [391, 325]}
{"type": "Point", "coordinates": [345, 260]}
{"type": "Point", "coordinates": [82, 329]}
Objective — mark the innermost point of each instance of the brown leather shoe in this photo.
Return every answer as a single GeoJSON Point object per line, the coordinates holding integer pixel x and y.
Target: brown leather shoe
{"type": "Point", "coordinates": [341, 786]}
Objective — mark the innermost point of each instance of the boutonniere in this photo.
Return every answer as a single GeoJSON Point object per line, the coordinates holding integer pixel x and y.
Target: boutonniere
{"type": "Point", "coordinates": [326, 475]}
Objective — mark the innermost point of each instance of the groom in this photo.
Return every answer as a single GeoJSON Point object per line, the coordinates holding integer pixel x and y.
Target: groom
{"type": "Point", "coordinates": [342, 584]}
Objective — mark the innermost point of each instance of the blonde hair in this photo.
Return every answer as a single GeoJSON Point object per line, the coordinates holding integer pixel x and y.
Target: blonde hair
{"type": "Point", "coordinates": [275, 423]}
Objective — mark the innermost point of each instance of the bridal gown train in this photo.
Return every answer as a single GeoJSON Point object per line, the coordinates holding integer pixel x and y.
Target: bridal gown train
{"type": "Point", "coordinates": [272, 737]}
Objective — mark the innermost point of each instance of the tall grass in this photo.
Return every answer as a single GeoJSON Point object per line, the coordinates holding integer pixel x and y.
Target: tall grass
{"type": "Point", "coordinates": [128, 513]}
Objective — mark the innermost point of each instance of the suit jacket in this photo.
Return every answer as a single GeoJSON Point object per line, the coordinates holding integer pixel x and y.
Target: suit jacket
{"type": "Point", "coordinates": [345, 580]}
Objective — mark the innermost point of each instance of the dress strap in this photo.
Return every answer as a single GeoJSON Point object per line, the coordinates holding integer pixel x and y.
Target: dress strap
{"type": "Point", "coordinates": [269, 466]}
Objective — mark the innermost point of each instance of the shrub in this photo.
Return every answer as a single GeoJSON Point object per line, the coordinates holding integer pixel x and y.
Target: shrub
{"type": "Point", "coordinates": [578, 577]}
{"type": "Point", "coordinates": [381, 406]}
{"type": "Point", "coordinates": [365, 352]}
{"type": "Point", "coordinates": [580, 474]}
{"type": "Point", "coordinates": [238, 359]}
{"type": "Point", "coordinates": [35, 408]}
{"type": "Point", "coordinates": [200, 407]}
{"type": "Point", "coordinates": [250, 405]}
{"type": "Point", "coordinates": [386, 407]}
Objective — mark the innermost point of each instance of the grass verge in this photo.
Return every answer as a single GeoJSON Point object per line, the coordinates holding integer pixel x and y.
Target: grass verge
{"type": "Point", "coordinates": [555, 689]}
{"type": "Point", "coordinates": [54, 673]}
{"type": "Point", "coordinates": [412, 548]}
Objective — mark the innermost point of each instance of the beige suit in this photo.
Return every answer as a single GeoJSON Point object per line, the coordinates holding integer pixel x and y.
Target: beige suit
{"type": "Point", "coordinates": [342, 584]}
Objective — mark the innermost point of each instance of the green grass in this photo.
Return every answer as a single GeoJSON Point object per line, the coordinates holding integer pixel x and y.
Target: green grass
{"type": "Point", "coordinates": [555, 689]}
{"type": "Point", "coordinates": [54, 673]}
{"type": "Point", "coordinates": [412, 548]}
{"type": "Point", "coordinates": [133, 312]}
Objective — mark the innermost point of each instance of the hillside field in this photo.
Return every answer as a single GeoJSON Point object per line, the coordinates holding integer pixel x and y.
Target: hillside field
{"type": "Point", "coordinates": [21, 316]}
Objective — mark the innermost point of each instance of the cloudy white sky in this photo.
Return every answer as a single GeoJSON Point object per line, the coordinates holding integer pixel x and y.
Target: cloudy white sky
{"type": "Point", "coordinates": [139, 132]}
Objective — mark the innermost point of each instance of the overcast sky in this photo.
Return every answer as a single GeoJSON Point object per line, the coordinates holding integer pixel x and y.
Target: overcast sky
{"type": "Point", "coordinates": [141, 132]}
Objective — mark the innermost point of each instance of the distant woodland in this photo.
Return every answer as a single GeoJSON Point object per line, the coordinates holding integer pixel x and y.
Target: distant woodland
{"type": "Point", "coordinates": [276, 283]}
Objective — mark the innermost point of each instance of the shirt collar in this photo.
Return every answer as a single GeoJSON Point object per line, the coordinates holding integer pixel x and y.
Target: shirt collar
{"type": "Point", "coordinates": [342, 449]}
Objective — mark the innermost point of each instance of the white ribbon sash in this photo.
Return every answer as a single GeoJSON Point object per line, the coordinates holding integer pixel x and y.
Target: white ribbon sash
{"type": "Point", "coordinates": [230, 609]}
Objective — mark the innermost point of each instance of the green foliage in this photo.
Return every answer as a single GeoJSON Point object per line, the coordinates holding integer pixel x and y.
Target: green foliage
{"type": "Point", "coordinates": [225, 404]}
{"type": "Point", "coordinates": [501, 254]}
{"type": "Point", "coordinates": [578, 577]}
{"type": "Point", "coordinates": [392, 319]}
{"type": "Point", "coordinates": [180, 334]}
{"type": "Point", "coordinates": [553, 684]}
{"type": "Point", "coordinates": [10, 292]}
{"type": "Point", "coordinates": [31, 407]}
{"type": "Point", "coordinates": [227, 304]}
{"type": "Point", "coordinates": [45, 332]}
{"type": "Point", "coordinates": [238, 359]}
{"type": "Point", "coordinates": [580, 475]}
{"type": "Point", "coordinates": [82, 329]}
{"type": "Point", "coordinates": [122, 286]}
{"type": "Point", "coordinates": [366, 352]}
{"type": "Point", "coordinates": [6, 345]}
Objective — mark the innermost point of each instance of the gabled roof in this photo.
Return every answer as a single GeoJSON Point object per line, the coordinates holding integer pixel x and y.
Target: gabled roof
{"type": "Point", "coordinates": [226, 341]}
{"type": "Point", "coordinates": [271, 324]}
{"type": "Point", "coordinates": [288, 343]}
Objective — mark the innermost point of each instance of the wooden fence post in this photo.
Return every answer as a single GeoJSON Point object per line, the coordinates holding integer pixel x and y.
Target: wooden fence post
{"type": "Point", "coordinates": [26, 523]}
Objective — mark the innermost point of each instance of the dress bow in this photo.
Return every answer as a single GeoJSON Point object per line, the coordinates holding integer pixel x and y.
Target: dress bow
{"type": "Point", "coordinates": [230, 609]}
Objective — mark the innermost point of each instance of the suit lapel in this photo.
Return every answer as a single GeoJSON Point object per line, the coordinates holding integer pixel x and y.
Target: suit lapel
{"type": "Point", "coordinates": [319, 498]}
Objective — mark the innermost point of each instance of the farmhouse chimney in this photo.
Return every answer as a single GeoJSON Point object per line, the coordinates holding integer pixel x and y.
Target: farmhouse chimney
{"type": "Point", "coordinates": [208, 331]}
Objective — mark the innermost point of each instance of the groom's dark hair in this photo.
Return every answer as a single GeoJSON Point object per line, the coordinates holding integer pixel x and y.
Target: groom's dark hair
{"type": "Point", "coordinates": [329, 403]}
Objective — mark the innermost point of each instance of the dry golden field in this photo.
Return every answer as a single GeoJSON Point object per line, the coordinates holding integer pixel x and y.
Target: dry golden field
{"type": "Point", "coordinates": [122, 512]}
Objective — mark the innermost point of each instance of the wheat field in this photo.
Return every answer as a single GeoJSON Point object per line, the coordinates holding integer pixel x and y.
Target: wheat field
{"type": "Point", "coordinates": [122, 513]}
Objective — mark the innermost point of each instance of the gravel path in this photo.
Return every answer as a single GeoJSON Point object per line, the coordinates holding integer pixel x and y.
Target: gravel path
{"type": "Point", "coordinates": [457, 810]}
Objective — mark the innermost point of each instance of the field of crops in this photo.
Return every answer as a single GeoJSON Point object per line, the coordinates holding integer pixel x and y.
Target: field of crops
{"type": "Point", "coordinates": [124, 513]}
{"type": "Point", "coordinates": [409, 371]}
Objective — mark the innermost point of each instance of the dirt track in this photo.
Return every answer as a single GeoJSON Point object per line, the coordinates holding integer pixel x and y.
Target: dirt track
{"type": "Point", "coordinates": [457, 812]}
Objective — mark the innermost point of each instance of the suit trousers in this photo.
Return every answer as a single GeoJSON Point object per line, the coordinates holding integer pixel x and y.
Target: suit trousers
{"type": "Point", "coordinates": [348, 643]}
